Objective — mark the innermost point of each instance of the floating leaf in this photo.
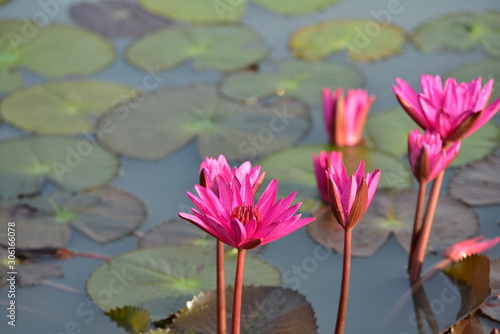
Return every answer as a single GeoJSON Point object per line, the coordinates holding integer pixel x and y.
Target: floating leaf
{"type": "Point", "coordinates": [219, 48]}
{"type": "Point", "coordinates": [294, 7]}
{"type": "Point", "coordinates": [3, 2]}
{"type": "Point", "coordinates": [168, 119]}
{"type": "Point", "coordinates": [10, 79]}
{"type": "Point", "coordinates": [134, 320]}
{"type": "Point", "coordinates": [162, 279]}
{"type": "Point", "coordinates": [469, 325]}
{"type": "Point", "coordinates": [478, 183]}
{"type": "Point", "coordinates": [64, 107]}
{"type": "Point", "coordinates": [103, 214]}
{"type": "Point", "coordinates": [53, 51]}
{"type": "Point", "coordinates": [292, 78]}
{"type": "Point", "coordinates": [70, 163]}
{"type": "Point", "coordinates": [461, 32]}
{"type": "Point", "coordinates": [265, 309]}
{"type": "Point", "coordinates": [487, 69]}
{"type": "Point", "coordinates": [478, 145]}
{"type": "Point", "coordinates": [116, 18]}
{"type": "Point", "coordinates": [199, 11]}
{"type": "Point", "coordinates": [393, 212]}
{"type": "Point", "coordinates": [293, 168]}
{"type": "Point", "coordinates": [363, 39]}
{"type": "Point", "coordinates": [492, 306]}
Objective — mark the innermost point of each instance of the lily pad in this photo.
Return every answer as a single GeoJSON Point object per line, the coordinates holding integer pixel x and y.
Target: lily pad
{"type": "Point", "coordinates": [362, 39]}
{"type": "Point", "coordinates": [3, 2]}
{"type": "Point", "coordinates": [219, 48]}
{"type": "Point", "coordinates": [133, 319]}
{"type": "Point", "coordinates": [265, 309]}
{"type": "Point", "coordinates": [392, 212]}
{"type": "Point", "coordinates": [53, 51]}
{"type": "Point", "coordinates": [478, 145]}
{"type": "Point", "coordinates": [492, 306]}
{"type": "Point", "coordinates": [294, 7]}
{"type": "Point", "coordinates": [64, 108]}
{"type": "Point", "coordinates": [469, 325]}
{"type": "Point", "coordinates": [114, 19]}
{"type": "Point", "coordinates": [478, 183]}
{"type": "Point", "coordinates": [292, 78]}
{"type": "Point", "coordinates": [461, 32]}
{"type": "Point", "coordinates": [293, 168]}
{"type": "Point", "coordinates": [162, 279]}
{"type": "Point", "coordinates": [102, 214]}
{"type": "Point", "coordinates": [70, 163]}
{"type": "Point", "coordinates": [199, 11]}
{"type": "Point", "coordinates": [10, 79]}
{"type": "Point", "coordinates": [487, 69]}
{"type": "Point", "coordinates": [168, 119]}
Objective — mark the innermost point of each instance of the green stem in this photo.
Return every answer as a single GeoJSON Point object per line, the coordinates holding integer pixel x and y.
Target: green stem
{"type": "Point", "coordinates": [238, 289]}
{"type": "Point", "coordinates": [344, 289]}
{"type": "Point", "coordinates": [221, 290]}
{"type": "Point", "coordinates": [417, 223]}
{"type": "Point", "coordinates": [423, 237]}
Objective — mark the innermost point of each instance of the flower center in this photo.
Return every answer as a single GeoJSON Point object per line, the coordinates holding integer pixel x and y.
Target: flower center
{"type": "Point", "coordinates": [246, 212]}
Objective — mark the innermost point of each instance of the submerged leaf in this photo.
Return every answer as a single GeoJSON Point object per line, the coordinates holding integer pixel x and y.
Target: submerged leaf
{"type": "Point", "coordinates": [294, 7]}
{"type": "Point", "coordinates": [70, 163]}
{"type": "Point", "coordinates": [69, 107]}
{"type": "Point", "coordinates": [220, 48]}
{"type": "Point", "coordinates": [265, 309]}
{"type": "Point", "coordinates": [116, 18]}
{"type": "Point", "coordinates": [162, 279]}
{"type": "Point", "coordinates": [133, 319]}
{"type": "Point", "coordinates": [478, 183]}
{"type": "Point", "coordinates": [362, 39]}
{"type": "Point", "coordinates": [168, 119]}
{"type": "Point", "coordinates": [393, 212]}
{"type": "Point", "coordinates": [292, 78]}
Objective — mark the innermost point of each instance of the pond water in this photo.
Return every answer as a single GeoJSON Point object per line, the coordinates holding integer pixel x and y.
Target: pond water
{"type": "Point", "coordinates": [377, 282]}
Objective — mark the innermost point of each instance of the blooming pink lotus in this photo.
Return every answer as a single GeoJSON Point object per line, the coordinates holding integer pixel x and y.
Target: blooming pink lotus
{"type": "Point", "coordinates": [427, 155]}
{"type": "Point", "coordinates": [455, 111]}
{"type": "Point", "coordinates": [350, 197]}
{"type": "Point", "coordinates": [345, 117]}
{"type": "Point", "coordinates": [468, 247]}
{"type": "Point", "coordinates": [321, 163]}
{"type": "Point", "coordinates": [233, 218]}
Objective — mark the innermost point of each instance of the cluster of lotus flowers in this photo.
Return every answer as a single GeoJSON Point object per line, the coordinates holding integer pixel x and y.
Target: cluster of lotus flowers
{"type": "Point", "coordinates": [227, 208]}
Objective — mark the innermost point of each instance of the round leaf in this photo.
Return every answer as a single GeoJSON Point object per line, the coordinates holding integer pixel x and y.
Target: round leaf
{"type": "Point", "coordinates": [199, 11]}
{"type": "Point", "coordinates": [116, 18]}
{"type": "Point", "coordinates": [70, 163]}
{"type": "Point", "coordinates": [219, 48]}
{"type": "Point", "coordinates": [63, 107]}
{"type": "Point", "coordinates": [161, 280]}
{"type": "Point", "coordinates": [393, 212]}
{"type": "Point", "coordinates": [292, 78]}
{"type": "Point", "coordinates": [265, 309]}
{"type": "Point", "coordinates": [10, 79]}
{"type": "Point", "coordinates": [166, 120]}
{"type": "Point", "coordinates": [478, 145]}
{"type": "Point", "coordinates": [363, 39]}
{"type": "Point", "coordinates": [487, 69]}
{"type": "Point", "coordinates": [294, 7]}
{"type": "Point", "coordinates": [133, 319]}
{"type": "Point", "coordinates": [492, 306]}
{"type": "Point", "coordinates": [460, 31]}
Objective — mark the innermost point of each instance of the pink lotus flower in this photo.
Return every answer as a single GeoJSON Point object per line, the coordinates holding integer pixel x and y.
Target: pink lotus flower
{"type": "Point", "coordinates": [321, 164]}
{"type": "Point", "coordinates": [233, 218]}
{"type": "Point", "coordinates": [345, 117]}
{"type": "Point", "coordinates": [427, 155]}
{"type": "Point", "coordinates": [350, 197]}
{"type": "Point", "coordinates": [468, 247]}
{"type": "Point", "coordinates": [455, 111]}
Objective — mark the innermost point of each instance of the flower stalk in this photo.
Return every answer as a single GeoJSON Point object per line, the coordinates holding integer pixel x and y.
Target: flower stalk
{"type": "Point", "coordinates": [344, 288]}
{"type": "Point", "coordinates": [221, 290]}
{"type": "Point", "coordinates": [238, 290]}
{"type": "Point", "coordinates": [417, 222]}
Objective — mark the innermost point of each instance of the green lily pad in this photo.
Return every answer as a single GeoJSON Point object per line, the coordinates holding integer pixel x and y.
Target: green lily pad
{"type": "Point", "coordinates": [162, 279]}
{"type": "Point", "coordinates": [3, 2]}
{"type": "Point", "coordinates": [478, 145]}
{"type": "Point", "coordinates": [168, 119]}
{"type": "Point", "coordinates": [492, 306]}
{"type": "Point", "coordinates": [53, 51]}
{"type": "Point", "coordinates": [478, 183]}
{"type": "Point", "coordinates": [199, 11]}
{"type": "Point", "coordinates": [219, 48]}
{"type": "Point", "coordinates": [134, 320]}
{"type": "Point", "coordinates": [487, 69]}
{"type": "Point", "coordinates": [264, 309]}
{"type": "Point", "coordinates": [461, 32]}
{"type": "Point", "coordinates": [392, 212]}
{"type": "Point", "coordinates": [363, 39]}
{"type": "Point", "coordinates": [70, 163]}
{"type": "Point", "coordinates": [294, 7]}
{"type": "Point", "coordinates": [69, 107]}
{"type": "Point", "coordinates": [293, 168]}
{"type": "Point", "coordinates": [10, 79]}
{"type": "Point", "coordinates": [292, 78]}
